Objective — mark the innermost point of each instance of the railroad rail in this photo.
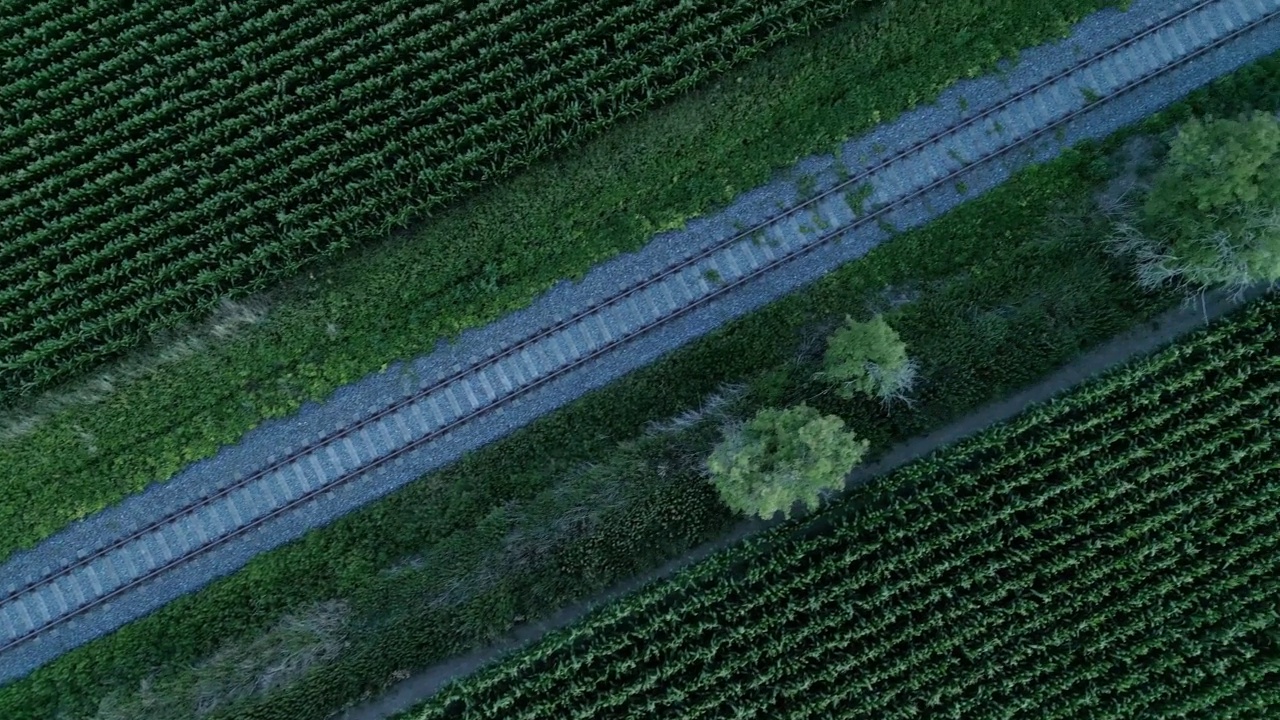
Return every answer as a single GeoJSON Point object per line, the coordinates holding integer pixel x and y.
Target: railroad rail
{"type": "Point", "coordinates": [98, 575]}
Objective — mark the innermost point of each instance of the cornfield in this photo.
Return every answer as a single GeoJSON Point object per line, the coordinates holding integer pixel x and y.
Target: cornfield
{"type": "Point", "coordinates": [1112, 553]}
{"type": "Point", "coordinates": [156, 156]}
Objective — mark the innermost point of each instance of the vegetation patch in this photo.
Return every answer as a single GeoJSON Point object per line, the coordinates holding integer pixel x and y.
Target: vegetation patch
{"type": "Point", "coordinates": [781, 457]}
{"type": "Point", "coordinates": [238, 671]}
{"type": "Point", "coordinates": [1212, 215]}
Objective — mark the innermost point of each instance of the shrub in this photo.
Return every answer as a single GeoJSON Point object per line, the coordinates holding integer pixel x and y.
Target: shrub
{"type": "Point", "coordinates": [868, 357]}
{"type": "Point", "coordinates": [1212, 218]}
{"type": "Point", "coordinates": [781, 456]}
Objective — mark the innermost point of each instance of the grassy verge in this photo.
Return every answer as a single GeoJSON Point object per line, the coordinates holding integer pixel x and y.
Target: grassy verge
{"type": "Point", "coordinates": [552, 222]}
{"type": "Point", "coordinates": [1005, 289]}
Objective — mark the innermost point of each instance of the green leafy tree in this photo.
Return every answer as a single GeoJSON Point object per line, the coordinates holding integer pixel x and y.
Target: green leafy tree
{"type": "Point", "coordinates": [870, 358]}
{"type": "Point", "coordinates": [1212, 217]}
{"type": "Point", "coordinates": [781, 456]}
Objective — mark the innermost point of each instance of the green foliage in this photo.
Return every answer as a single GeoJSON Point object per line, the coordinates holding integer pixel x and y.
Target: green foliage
{"type": "Point", "coordinates": [1212, 217]}
{"type": "Point", "coordinates": [857, 198]}
{"type": "Point", "coordinates": [1215, 168]}
{"type": "Point", "coordinates": [806, 186]}
{"type": "Point", "coordinates": [780, 457]}
{"type": "Point", "coordinates": [1118, 522]}
{"type": "Point", "coordinates": [870, 358]}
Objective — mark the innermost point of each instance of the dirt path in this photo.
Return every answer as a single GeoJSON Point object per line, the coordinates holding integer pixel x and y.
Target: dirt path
{"type": "Point", "coordinates": [1138, 341]}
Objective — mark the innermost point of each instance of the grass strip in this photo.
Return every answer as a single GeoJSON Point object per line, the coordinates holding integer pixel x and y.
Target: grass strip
{"type": "Point", "coordinates": [557, 220]}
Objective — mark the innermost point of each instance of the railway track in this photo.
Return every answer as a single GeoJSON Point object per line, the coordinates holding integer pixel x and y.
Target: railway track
{"type": "Point", "coordinates": [93, 577]}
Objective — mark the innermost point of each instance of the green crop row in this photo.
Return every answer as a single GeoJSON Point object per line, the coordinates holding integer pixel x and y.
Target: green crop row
{"type": "Point", "coordinates": [501, 248]}
{"type": "Point", "coordinates": [159, 164]}
{"type": "Point", "coordinates": [1058, 564]}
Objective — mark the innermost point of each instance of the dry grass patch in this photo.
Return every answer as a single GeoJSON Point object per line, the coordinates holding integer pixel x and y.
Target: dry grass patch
{"type": "Point", "coordinates": [239, 671]}
{"type": "Point", "coordinates": [230, 319]}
